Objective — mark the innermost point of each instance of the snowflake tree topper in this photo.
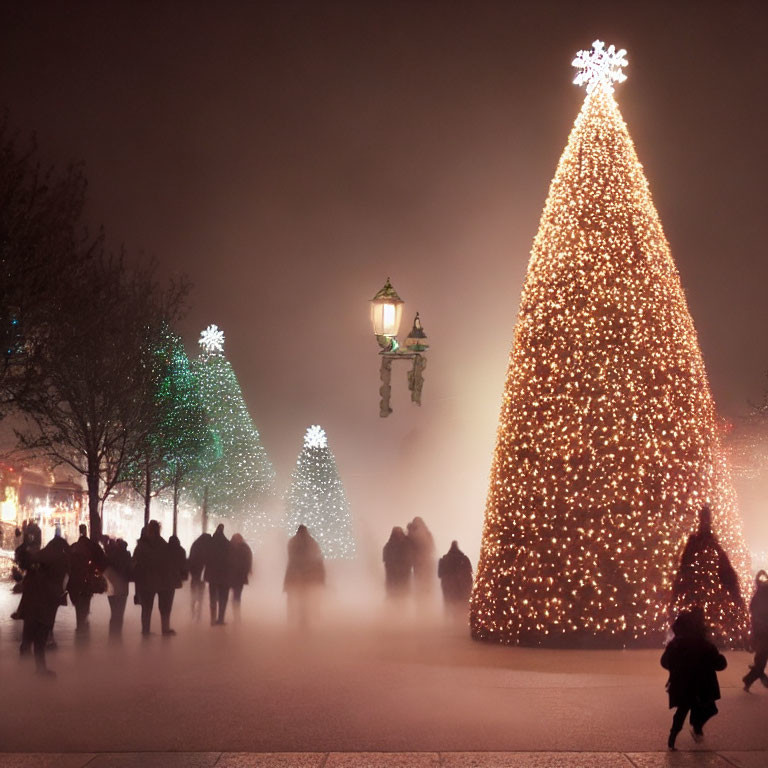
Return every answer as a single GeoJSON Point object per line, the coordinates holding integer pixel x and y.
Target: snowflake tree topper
{"type": "Point", "coordinates": [600, 67]}
{"type": "Point", "coordinates": [315, 437]}
{"type": "Point", "coordinates": [212, 340]}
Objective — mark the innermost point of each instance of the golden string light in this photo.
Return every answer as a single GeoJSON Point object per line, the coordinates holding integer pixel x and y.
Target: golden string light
{"type": "Point", "coordinates": [607, 443]}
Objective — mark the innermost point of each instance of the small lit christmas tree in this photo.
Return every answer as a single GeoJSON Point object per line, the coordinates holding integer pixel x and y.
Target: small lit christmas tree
{"type": "Point", "coordinates": [607, 444]}
{"type": "Point", "coordinates": [235, 480]}
{"type": "Point", "coordinates": [316, 498]}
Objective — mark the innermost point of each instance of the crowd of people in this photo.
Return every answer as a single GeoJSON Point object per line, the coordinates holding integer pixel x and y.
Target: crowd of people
{"type": "Point", "coordinates": [410, 566]}
{"type": "Point", "coordinates": [49, 575]}
{"type": "Point", "coordinates": [158, 568]}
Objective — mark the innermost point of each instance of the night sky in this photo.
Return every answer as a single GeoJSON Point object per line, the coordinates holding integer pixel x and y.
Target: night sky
{"type": "Point", "coordinates": [289, 156]}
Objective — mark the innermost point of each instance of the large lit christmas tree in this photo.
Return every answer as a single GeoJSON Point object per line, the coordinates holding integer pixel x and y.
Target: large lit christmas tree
{"type": "Point", "coordinates": [235, 480]}
{"type": "Point", "coordinates": [316, 498]}
{"type": "Point", "coordinates": [607, 444]}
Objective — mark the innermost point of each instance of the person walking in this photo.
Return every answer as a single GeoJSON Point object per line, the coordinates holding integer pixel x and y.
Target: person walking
{"type": "Point", "coordinates": [44, 592]}
{"type": "Point", "coordinates": [198, 555]}
{"type": "Point", "coordinates": [304, 576]}
{"type": "Point", "coordinates": [693, 663]}
{"type": "Point", "coordinates": [87, 562]}
{"type": "Point", "coordinates": [758, 609]}
{"type": "Point", "coordinates": [455, 573]}
{"type": "Point", "coordinates": [118, 574]}
{"type": "Point", "coordinates": [240, 568]}
{"type": "Point", "coordinates": [177, 564]}
{"type": "Point", "coordinates": [398, 563]}
{"type": "Point", "coordinates": [217, 575]}
{"type": "Point", "coordinates": [152, 574]}
{"type": "Point", "coordinates": [423, 557]}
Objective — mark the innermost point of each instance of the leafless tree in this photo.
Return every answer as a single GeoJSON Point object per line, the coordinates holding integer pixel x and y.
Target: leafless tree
{"type": "Point", "coordinates": [90, 405]}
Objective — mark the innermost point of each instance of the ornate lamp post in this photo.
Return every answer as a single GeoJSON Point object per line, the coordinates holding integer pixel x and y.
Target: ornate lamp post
{"type": "Point", "coordinates": [386, 314]}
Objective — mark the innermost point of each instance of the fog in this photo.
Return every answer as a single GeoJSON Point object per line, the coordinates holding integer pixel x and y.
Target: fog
{"type": "Point", "coordinates": [366, 676]}
{"type": "Point", "coordinates": [289, 157]}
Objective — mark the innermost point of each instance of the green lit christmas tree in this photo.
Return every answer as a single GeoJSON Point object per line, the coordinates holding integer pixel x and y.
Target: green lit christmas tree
{"type": "Point", "coordinates": [176, 439]}
{"type": "Point", "coordinates": [237, 477]}
{"type": "Point", "coordinates": [316, 498]}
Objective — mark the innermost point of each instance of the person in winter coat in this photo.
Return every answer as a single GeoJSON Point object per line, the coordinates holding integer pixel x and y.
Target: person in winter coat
{"type": "Point", "coordinates": [398, 563]}
{"type": "Point", "coordinates": [198, 555]}
{"type": "Point", "coordinates": [217, 574]}
{"type": "Point", "coordinates": [179, 568]}
{"type": "Point", "coordinates": [240, 568]}
{"type": "Point", "coordinates": [118, 574]}
{"type": "Point", "coordinates": [152, 572]}
{"type": "Point", "coordinates": [87, 563]}
{"type": "Point", "coordinates": [423, 556]}
{"type": "Point", "coordinates": [705, 569]}
{"type": "Point", "coordinates": [693, 663]}
{"type": "Point", "coordinates": [23, 555]}
{"type": "Point", "coordinates": [44, 586]}
{"type": "Point", "coordinates": [455, 573]}
{"type": "Point", "coordinates": [758, 608]}
{"type": "Point", "coordinates": [304, 575]}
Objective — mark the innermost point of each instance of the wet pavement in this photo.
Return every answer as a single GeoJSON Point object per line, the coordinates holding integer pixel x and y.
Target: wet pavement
{"type": "Point", "coordinates": [362, 682]}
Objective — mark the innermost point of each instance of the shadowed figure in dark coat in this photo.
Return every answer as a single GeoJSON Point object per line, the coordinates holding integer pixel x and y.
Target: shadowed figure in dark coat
{"type": "Point", "coordinates": [118, 573]}
{"type": "Point", "coordinates": [304, 576]}
{"type": "Point", "coordinates": [198, 555]}
{"type": "Point", "coordinates": [30, 545]}
{"type": "Point", "coordinates": [423, 557]}
{"type": "Point", "coordinates": [87, 562]}
{"type": "Point", "coordinates": [693, 663]}
{"type": "Point", "coordinates": [217, 574]}
{"type": "Point", "coordinates": [153, 575]}
{"type": "Point", "coordinates": [455, 573]}
{"type": "Point", "coordinates": [43, 593]}
{"type": "Point", "coordinates": [758, 608]}
{"type": "Point", "coordinates": [240, 567]}
{"type": "Point", "coordinates": [398, 563]}
{"type": "Point", "coordinates": [179, 570]}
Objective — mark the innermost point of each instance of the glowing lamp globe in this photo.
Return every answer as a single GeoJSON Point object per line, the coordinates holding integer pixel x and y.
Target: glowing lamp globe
{"type": "Point", "coordinates": [386, 311]}
{"type": "Point", "coordinates": [417, 339]}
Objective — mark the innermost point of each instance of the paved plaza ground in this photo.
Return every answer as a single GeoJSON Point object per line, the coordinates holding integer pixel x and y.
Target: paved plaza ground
{"type": "Point", "coordinates": [703, 759]}
{"type": "Point", "coordinates": [361, 682]}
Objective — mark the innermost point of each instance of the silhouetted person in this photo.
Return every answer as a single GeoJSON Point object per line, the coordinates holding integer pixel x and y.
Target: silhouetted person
{"type": "Point", "coordinates": [217, 574]}
{"type": "Point", "coordinates": [198, 554]}
{"type": "Point", "coordinates": [118, 574]}
{"type": "Point", "coordinates": [44, 591]}
{"type": "Point", "coordinates": [693, 663]}
{"type": "Point", "coordinates": [28, 547]}
{"type": "Point", "coordinates": [240, 567]}
{"type": "Point", "coordinates": [423, 556]}
{"type": "Point", "coordinates": [455, 573]}
{"type": "Point", "coordinates": [706, 580]}
{"type": "Point", "coordinates": [152, 574]}
{"type": "Point", "coordinates": [758, 608]}
{"type": "Point", "coordinates": [304, 575]}
{"type": "Point", "coordinates": [87, 563]}
{"type": "Point", "coordinates": [177, 562]}
{"type": "Point", "coordinates": [398, 563]}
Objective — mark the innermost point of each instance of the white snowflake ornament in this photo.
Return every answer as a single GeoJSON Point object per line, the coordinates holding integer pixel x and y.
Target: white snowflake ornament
{"type": "Point", "coordinates": [212, 340]}
{"type": "Point", "coordinates": [315, 437]}
{"type": "Point", "coordinates": [601, 67]}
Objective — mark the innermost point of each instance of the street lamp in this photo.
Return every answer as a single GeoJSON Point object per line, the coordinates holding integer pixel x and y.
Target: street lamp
{"type": "Point", "coordinates": [386, 314]}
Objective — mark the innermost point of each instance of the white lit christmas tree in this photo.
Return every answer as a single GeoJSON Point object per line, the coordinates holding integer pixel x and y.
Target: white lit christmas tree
{"type": "Point", "coordinates": [607, 444]}
{"type": "Point", "coordinates": [238, 475]}
{"type": "Point", "coordinates": [316, 498]}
